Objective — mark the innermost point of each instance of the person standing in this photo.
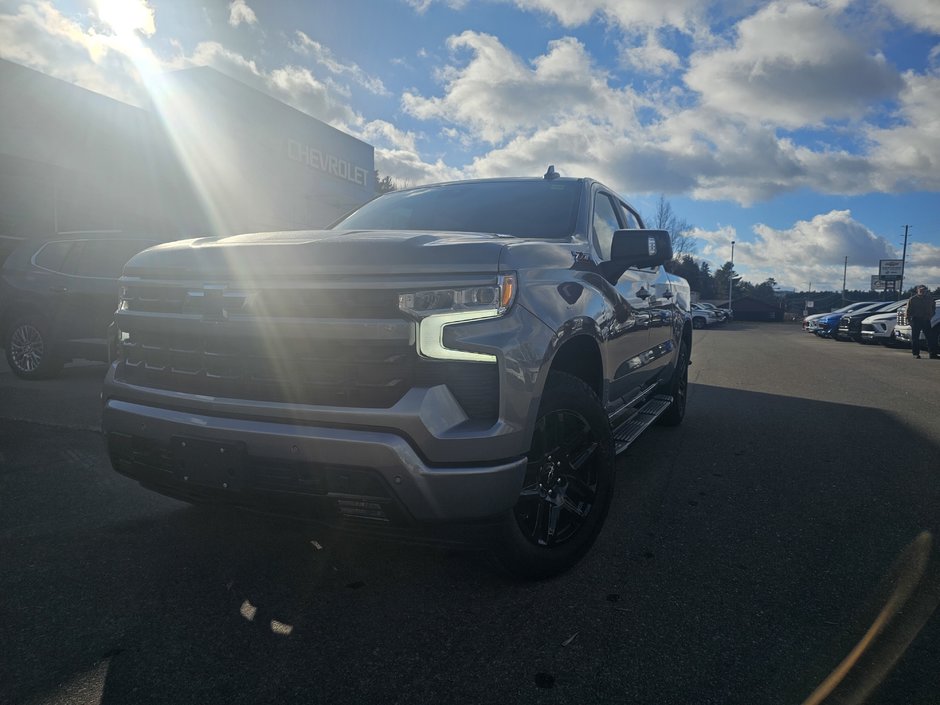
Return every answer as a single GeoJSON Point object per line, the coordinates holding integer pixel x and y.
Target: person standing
{"type": "Point", "coordinates": [920, 309]}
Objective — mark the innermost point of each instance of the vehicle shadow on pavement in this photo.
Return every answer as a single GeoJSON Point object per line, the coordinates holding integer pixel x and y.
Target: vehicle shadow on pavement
{"type": "Point", "coordinates": [742, 560]}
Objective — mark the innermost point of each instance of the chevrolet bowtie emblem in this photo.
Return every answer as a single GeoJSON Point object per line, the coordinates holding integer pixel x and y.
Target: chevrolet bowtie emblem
{"type": "Point", "coordinates": [208, 301]}
{"type": "Point", "coordinates": [213, 303]}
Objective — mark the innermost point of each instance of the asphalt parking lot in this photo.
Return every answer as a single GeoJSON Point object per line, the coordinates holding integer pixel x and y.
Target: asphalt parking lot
{"type": "Point", "coordinates": [747, 553]}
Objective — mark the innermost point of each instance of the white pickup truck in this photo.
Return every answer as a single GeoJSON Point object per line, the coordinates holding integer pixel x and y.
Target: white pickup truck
{"type": "Point", "coordinates": [902, 331]}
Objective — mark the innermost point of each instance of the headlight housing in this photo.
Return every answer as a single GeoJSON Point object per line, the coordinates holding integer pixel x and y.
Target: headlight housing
{"type": "Point", "coordinates": [438, 308]}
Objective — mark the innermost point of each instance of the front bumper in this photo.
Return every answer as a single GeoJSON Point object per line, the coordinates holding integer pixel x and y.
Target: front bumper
{"type": "Point", "coordinates": [331, 475]}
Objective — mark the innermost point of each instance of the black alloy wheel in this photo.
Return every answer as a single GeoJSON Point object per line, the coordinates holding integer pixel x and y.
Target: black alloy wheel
{"type": "Point", "coordinates": [568, 483]}
{"type": "Point", "coordinates": [561, 482]}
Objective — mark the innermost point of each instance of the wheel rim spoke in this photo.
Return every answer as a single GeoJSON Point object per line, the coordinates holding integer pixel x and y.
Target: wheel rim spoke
{"type": "Point", "coordinates": [26, 348]}
{"type": "Point", "coordinates": [580, 510]}
{"type": "Point", "coordinates": [578, 461]}
{"type": "Point", "coordinates": [580, 489]}
{"type": "Point", "coordinates": [551, 525]}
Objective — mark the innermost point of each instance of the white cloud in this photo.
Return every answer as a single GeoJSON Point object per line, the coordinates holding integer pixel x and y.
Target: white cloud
{"type": "Point", "coordinates": [42, 38]}
{"type": "Point", "coordinates": [827, 239]}
{"type": "Point", "coordinates": [383, 133]}
{"type": "Point", "coordinates": [407, 168]}
{"type": "Point", "coordinates": [651, 56]}
{"type": "Point", "coordinates": [922, 14]}
{"type": "Point", "coordinates": [496, 95]}
{"type": "Point", "coordinates": [421, 6]}
{"type": "Point", "coordinates": [791, 65]}
{"type": "Point", "coordinates": [908, 155]}
{"type": "Point", "coordinates": [240, 13]}
{"type": "Point", "coordinates": [561, 109]}
{"type": "Point", "coordinates": [397, 155]}
{"type": "Point", "coordinates": [306, 46]}
{"type": "Point", "coordinates": [809, 251]}
{"type": "Point", "coordinates": [632, 15]}
{"type": "Point", "coordinates": [923, 264]}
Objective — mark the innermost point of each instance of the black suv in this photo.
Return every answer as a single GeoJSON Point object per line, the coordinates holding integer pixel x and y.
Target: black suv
{"type": "Point", "coordinates": [58, 296]}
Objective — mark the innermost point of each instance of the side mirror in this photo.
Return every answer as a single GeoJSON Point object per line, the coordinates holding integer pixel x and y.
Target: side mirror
{"type": "Point", "coordinates": [640, 248]}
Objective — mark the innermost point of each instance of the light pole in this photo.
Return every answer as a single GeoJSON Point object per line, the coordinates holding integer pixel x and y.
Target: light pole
{"type": "Point", "coordinates": [845, 268]}
{"type": "Point", "coordinates": [731, 275]}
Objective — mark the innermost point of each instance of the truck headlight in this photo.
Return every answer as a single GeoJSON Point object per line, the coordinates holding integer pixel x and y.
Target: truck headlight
{"type": "Point", "coordinates": [438, 308]}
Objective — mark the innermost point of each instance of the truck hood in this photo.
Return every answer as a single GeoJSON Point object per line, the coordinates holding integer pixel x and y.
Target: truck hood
{"type": "Point", "coordinates": [339, 253]}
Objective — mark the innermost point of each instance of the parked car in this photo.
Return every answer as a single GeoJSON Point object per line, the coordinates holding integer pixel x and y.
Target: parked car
{"type": "Point", "coordinates": [809, 322]}
{"type": "Point", "coordinates": [850, 325]}
{"type": "Point", "coordinates": [703, 317]}
{"type": "Point", "coordinates": [827, 323]}
{"type": "Point", "coordinates": [902, 331]}
{"type": "Point", "coordinates": [880, 328]}
{"type": "Point", "coordinates": [58, 297]}
{"type": "Point", "coordinates": [724, 314]}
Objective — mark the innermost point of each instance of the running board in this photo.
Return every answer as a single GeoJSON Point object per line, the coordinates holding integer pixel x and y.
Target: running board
{"type": "Point", "coordinates": [629, 430]}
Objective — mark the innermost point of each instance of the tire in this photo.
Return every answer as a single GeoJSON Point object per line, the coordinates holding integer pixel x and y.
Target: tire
{"type": "Point", "coordinates": [698, 323]}
{"type": "Point", "coordinates": [568, 485]}
{"type": "Point", "coordinates": [29, 349]}
{"type": "Point", "coordinates": [678, 389]}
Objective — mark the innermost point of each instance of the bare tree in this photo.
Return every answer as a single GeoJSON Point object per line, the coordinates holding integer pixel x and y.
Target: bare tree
{"type": "Point", "coordinates": [680, 230]}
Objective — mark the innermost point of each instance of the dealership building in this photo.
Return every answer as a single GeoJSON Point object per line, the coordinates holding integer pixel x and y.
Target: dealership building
{"type": "Point", "coordinates": [208, 155]}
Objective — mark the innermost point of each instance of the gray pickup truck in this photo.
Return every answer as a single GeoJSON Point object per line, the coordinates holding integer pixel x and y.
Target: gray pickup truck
{"type": "Point", "coordinates": [458, 362]}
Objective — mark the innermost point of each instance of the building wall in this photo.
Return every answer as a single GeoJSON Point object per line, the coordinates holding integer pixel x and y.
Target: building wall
{"type": "Point", "coordinates": [209, 156]}
{"type": "Point", "coordinates": [261, 164]}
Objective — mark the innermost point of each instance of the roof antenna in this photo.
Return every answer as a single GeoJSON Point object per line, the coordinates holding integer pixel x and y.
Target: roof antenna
{"type": "Point", "coordinates": [551, 173]}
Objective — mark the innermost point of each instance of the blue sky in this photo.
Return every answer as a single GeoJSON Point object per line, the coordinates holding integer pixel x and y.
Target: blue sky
{"type": "Point", "coordinates": [806, 131]}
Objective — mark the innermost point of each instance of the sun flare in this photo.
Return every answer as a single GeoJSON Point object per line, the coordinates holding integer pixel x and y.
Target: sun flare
{"type": "Point", "coordinates": [126, 17]}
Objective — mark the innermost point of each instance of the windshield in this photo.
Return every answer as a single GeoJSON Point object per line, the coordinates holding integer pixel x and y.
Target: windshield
{"type": "Point", "coordinates": [536, 209]}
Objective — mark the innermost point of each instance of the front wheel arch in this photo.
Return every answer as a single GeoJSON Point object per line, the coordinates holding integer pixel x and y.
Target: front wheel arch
{"type": "Point", "coordinates": [678, 388]}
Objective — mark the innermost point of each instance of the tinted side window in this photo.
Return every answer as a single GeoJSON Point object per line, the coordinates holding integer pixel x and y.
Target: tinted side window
{"type": "Point", "coordinates": [106, 258]}
{"type": "Point", "coordinates": [631, 219]}
{"type": "Point", "coordinates": [604, 225]}
{"type": "Point", "coordinates": [70, 264]}
{"type": "Point", "coordinates": [52, 255]}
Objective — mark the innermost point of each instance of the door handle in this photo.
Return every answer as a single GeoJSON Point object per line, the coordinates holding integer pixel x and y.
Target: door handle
{"type": "Point", "coordinates": [58, 289]}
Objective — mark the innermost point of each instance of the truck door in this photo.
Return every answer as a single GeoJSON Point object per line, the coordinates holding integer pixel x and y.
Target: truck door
{"type": "Point", "coordinates": [625, 327]}
{"type": "Point", "coordinates": [661, 303]}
